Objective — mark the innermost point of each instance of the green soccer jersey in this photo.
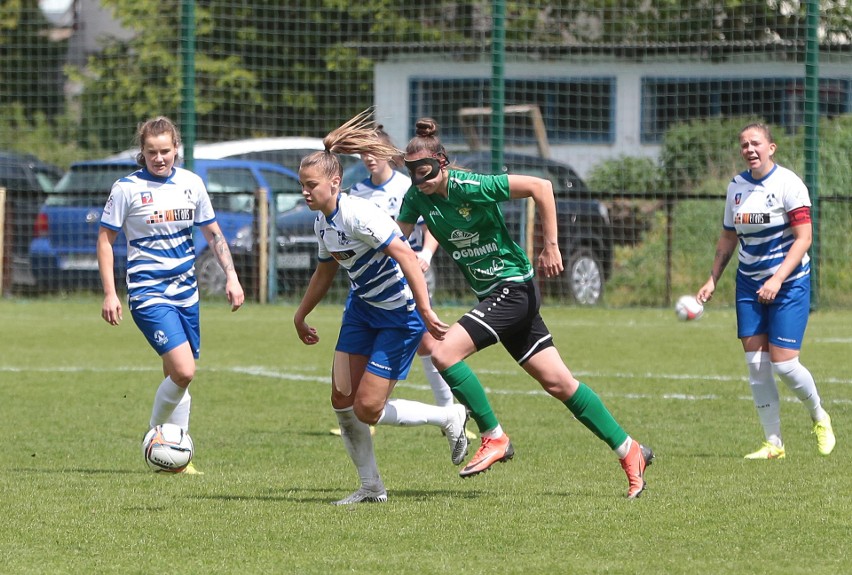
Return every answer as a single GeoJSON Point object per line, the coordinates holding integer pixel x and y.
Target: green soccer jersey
{"type": "Point", "coordinates": [470, 227]}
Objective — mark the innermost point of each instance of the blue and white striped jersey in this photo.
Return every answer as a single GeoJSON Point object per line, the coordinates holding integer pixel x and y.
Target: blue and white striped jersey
{"type": "Point", "coordinates": [388, 196]}
{"type": "Point", "coordinates": [757, 211]}
{"type": "Point", "coordinates": [157, 216]}
{"type": "Point", "coordinates": [355, 235]}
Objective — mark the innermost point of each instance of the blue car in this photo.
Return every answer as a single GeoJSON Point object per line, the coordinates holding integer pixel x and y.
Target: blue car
{"type": "Point", "coordinates": [63, 251]}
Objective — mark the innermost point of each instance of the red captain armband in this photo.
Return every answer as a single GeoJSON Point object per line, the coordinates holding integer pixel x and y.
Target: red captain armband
{"type": "Point", "coordinates": [799, 216]}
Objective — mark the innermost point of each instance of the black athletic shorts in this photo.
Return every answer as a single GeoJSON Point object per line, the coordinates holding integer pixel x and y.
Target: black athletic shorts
{"type": "Point", "coordinates": [509, 315]}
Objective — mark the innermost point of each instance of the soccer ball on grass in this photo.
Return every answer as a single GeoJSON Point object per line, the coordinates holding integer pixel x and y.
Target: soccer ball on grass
{"type": "Point", "coordinates": [167, 448]}
{"type": "Point", "coordinates": [688, 308]}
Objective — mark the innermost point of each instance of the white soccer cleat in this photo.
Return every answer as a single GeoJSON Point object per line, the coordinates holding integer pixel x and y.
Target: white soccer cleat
{"type": "Point", "coordinates": [456, 433]}
{"type": "Point", "coordinates": [376, 494]}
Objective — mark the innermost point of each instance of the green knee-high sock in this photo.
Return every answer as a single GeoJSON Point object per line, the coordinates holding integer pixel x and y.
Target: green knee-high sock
{"type": "Point", "coordinates": [468, 390]}
{"type": "Point", "coordinates": [590, 410]}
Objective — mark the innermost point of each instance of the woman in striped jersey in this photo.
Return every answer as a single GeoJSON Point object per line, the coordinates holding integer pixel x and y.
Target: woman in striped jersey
{"type": "Point", "coordinates": [767, 213]}
{"type": "Point", "coordinates": [381, 327]}
{"type": "Point", "coordinates": [158, 206]}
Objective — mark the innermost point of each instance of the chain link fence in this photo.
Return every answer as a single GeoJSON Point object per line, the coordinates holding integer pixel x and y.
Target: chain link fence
{"type": "Point", "coordinates": [632, 109]}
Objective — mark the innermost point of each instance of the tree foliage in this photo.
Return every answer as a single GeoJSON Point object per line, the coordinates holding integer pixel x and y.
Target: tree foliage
{"type": "Point", "coordinates": [268, 67]}
{"type": "Point", "coordinates": [29, 60]}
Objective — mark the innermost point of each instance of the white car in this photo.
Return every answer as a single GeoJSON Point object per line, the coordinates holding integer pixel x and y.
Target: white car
{"type": "Point", "coordinates": [287, 151]}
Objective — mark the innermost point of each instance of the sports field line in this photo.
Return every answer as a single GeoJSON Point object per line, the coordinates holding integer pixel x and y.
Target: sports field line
{"type": "Point", "coordinates": [307, 375]}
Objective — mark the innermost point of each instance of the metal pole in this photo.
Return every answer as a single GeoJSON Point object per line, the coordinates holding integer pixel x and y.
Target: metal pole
{"type": "Point", "coordinates": [812, 139]}
{"type": "Point", "coordinates": [498, 88]}
{"type": "Point", "coordinates": [187, 104]}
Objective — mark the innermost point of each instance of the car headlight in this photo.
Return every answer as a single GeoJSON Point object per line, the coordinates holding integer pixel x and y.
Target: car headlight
{"type": "Point", "coordinates": [244, 239]}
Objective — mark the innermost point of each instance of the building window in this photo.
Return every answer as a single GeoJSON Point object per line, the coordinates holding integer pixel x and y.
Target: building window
{"type": "Point", "coordinates": [574, 110]}
{"type": "Point", "coordinates": [778, 101]}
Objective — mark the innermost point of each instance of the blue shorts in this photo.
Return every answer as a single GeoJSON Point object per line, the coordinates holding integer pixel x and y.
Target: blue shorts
{"type": "Point", "coordinates": [168, 326]}
{"type": "Point", "coordinates": [784, 320]}
{"type": "Point", "coordinates": [388, 337]}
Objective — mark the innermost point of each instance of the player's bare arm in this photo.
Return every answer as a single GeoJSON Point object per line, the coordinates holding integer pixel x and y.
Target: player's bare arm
{"type": "Point", "coordinates": [219, 245]}
{"type": "Point", "coordinates": [725, 248]}
{"type": "Point", "coordinates": [549, 261]}
{"type": "Point", "coordinates": [111, 308]}
{"type": "Point", "coordinates": [318, 286]}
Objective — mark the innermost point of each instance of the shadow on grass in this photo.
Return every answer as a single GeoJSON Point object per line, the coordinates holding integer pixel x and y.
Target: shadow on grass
{"type": "Point", "coordinates": [327, 495]}
{"type": "Point", "coordinates": [79, 470]}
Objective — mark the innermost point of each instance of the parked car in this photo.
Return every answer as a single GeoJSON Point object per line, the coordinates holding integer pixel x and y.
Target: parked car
{"type": "Point", "coordinates": [63, 250]}
{"type": "Point", "coordinates": [585, 232]}
{"type": "Point", "coordinates": [26, 180]}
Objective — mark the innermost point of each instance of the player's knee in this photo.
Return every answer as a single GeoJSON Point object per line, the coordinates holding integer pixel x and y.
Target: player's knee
{"type": "Point", "coordinates": [786, 368]}
{"type": "Point", "coordinates": [183, 377]}
{"type": "Point", "coordinates": [444, 357]}
{"type": "Point", "coordinates": [366, 413]}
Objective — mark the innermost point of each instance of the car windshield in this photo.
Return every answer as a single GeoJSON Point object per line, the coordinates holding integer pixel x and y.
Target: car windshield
{"type": "Point", "coordinates": [47, 179]}
{"type": "Point", "coordinates": [230, 189]}
{"type": "Point", "coordinates": [83, 184]}
{"type": "Point", "coordinates": [287, 191]}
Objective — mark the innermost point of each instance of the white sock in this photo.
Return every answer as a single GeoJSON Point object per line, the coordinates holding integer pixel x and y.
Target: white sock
{"type": "Point", "coordinates": [167, 398]}
{"type": "Point", "coordinates": [764, 392]}
{"type": "Point", "coordinates": [622, 450]}
{"type": "Point", "coordinates": [180, 416]}
{"type": "Point", "coordinates": [359, 445]}
{"type": "Point", "coordinates": [495, 433]}
{"type": "Point", "coordinates": [440, 389]}
{"type": "Point", "coordinates": [801, 383]}
{"type": "Point", "coordinates": [405, 412]}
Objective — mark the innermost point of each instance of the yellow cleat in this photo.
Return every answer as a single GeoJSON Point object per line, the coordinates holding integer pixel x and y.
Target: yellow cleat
{"type": "Point", "coordinates": [191, 470]}
{"type": "Point", "coordinates": [336, 431]}
{"type": "Point", "coordinates": [825, 436]}
{"type": "Point", "coordinates": [767, 451]}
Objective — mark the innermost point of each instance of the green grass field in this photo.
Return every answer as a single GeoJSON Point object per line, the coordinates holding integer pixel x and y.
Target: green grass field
{"type": "Point", "coordinates": [77, 497]}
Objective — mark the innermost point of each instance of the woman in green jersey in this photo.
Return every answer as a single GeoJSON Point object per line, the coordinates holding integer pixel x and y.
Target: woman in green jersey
{"type": "Point", "coordinates": [461, 210]}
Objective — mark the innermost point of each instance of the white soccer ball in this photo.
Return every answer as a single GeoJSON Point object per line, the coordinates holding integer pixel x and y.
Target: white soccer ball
{"type": "Point", "coordinates": [167, 448]}
{"type": "Point", "coordinates": [688, 308]}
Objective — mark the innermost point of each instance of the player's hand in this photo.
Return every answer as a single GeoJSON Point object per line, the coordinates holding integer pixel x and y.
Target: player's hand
{"type": "Point", "coordinates": [424, 258]}
{"type": "Point", "coordinates": [705, 294]}
{"type": "Point", "coordinates": [234, 291]}
{"type": "Point", "coordinates": [434, 325]}
{"type": "Point", "coordinates": [306, 333]}
{"type": "Point", "coordinates": [768, 291]}
{"type": "Point", "coordinates": [550, 261]}
{"type": "Point", "coordinates": [111, 310]}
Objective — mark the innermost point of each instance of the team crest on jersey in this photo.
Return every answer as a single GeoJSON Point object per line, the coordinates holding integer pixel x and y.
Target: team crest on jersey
{"type": "Point", "coordinates": [188, 194]}
{"type": "Point", "coordinates": [147, 198]}
{"type": "Point", "coordinates": [464, 239]}
{"type": "Point", "coordinates": [464, 211]}
{"type": "Point", "coordinates": [738, 197]}
{"type": "Point", "coordinates": [343, 239]}
{"type": "Point", "coordinates": [771, 200]}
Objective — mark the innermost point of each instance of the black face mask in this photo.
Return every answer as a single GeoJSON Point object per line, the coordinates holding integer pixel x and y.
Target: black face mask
{"type": "Point", "coordinates": [412, 166]}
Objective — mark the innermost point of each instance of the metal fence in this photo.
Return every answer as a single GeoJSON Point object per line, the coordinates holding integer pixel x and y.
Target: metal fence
{"type": "Point", "coordinates": [657, 85]}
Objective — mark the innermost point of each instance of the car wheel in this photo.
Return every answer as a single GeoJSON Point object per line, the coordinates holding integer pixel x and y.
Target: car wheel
{"type": "Point", "coordinates": [210, 275]}
{"type": "Point", "coordinates": [584, 279]}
